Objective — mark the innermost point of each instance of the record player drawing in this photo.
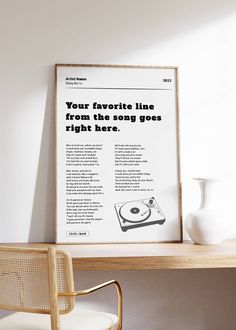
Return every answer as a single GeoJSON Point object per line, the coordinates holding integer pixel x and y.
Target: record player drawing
{"type": "Point", "coordinates": [139, 213]}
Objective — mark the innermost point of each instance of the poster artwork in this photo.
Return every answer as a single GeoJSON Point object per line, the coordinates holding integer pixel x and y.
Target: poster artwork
{"type": "Point", "coordinates": [117, 154]}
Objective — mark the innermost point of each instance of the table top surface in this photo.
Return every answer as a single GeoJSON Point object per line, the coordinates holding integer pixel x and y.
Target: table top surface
{"type": "Point", "coordinates": [146, 256]}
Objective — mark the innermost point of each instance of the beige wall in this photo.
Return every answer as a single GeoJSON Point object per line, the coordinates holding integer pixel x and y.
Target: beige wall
{"type": "Point", "coordinates": [199, 37]}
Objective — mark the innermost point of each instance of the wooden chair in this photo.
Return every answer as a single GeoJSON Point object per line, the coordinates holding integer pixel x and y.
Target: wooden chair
{"type": "Point", "coordinates": [35, 282]}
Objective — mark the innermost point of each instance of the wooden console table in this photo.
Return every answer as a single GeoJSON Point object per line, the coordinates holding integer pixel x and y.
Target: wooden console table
{"type": "Point", "coordinates": [147, 256]}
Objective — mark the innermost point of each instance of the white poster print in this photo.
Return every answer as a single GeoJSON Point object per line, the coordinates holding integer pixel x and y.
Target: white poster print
{"type": "Point", "coordinates": [117, 154]}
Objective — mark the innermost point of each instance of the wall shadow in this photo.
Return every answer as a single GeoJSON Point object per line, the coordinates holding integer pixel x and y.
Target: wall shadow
{"type": "Point", "coordinates": [115, 29]}
{"type": "Point", "coordinates": [42, 226]}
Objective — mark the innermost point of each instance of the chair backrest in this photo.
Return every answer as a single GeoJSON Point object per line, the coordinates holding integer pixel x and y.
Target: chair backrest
{"type": "Point", "coordinates": [24, 280]}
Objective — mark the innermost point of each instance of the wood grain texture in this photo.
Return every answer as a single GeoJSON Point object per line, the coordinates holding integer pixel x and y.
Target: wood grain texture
{"type": "Point", "coordinates": [147, 256]}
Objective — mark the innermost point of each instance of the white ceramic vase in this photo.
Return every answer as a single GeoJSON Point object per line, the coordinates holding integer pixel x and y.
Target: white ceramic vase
{"type": "Point", "coordinates": [204, 225]}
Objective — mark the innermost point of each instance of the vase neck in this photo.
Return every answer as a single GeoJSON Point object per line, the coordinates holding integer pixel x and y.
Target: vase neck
{"type": "Point", "coordinates": [207, 193]}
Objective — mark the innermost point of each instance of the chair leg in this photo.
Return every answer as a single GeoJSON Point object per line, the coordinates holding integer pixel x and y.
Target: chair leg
{"type": "Point", "coordinates": [55, 320]}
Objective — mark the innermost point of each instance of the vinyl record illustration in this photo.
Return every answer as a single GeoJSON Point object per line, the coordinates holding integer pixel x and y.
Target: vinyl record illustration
{"type": "Point", "coordinates": [134, 212]}
{"type": "Point", "coordinates": [140, 213]}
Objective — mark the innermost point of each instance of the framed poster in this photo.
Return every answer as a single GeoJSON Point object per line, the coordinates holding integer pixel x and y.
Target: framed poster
{"type": "Point", "coordinates": [117, 154]}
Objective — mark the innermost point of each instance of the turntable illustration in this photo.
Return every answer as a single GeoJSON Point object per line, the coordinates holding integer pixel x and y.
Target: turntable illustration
{"type": "Point", "coordinates": [139, 213]}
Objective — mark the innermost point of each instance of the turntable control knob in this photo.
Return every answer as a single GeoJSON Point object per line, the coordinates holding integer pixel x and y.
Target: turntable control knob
{"type": "Point", "coordinates": [150, 201]}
